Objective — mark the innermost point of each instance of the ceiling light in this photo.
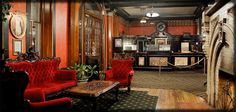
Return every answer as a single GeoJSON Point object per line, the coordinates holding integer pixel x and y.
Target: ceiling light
{"type": "Point", "coordinates": [143, 21]}
{"type": "Point", "coordinates": [152, 23]}
{"type": "Point", "coordinates": [152, 14]}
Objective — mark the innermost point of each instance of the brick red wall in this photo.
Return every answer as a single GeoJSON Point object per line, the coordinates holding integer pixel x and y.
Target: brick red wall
{"type": "Point", "coordinates": [62, 32]}
{"type": "Point", "coordinates": [141, 30]}
{"type": "Point", "coordinates": [174, 27]}
{"type": "Point", "coordinates": [18, 8]}
{"type": "Point", "coordinates": [179, 30]}
{"type": "Point", "coordinates": [122, 28]}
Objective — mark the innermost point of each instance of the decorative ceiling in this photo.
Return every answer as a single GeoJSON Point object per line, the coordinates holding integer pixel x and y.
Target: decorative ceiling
{"type": "Point", "coordinates": [168, 9]}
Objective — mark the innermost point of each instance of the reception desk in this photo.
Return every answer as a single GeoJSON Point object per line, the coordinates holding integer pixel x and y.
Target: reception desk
{"type": "Point", "coordinates": [167, 60]}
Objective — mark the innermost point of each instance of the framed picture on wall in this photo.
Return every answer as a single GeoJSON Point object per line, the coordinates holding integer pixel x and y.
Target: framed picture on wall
{"type": "Point", "coordinates": [18, 26]}
{"type": "Point", "coordinates": [160, 41]}
{"type": "Point", "coordinates": [17, 47]}
{"type": "Point", "coordinates": [185, 47]}
{"type": "Point", "coordinates": [118, 42]}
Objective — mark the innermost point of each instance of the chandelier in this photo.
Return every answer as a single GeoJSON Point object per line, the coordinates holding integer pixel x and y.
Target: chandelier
{"type": "Point", "coordinates": [152, 13]}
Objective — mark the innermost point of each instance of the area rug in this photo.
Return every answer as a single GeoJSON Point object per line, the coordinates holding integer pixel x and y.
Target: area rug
{"type": "Point", "coordinates": [135, 101]}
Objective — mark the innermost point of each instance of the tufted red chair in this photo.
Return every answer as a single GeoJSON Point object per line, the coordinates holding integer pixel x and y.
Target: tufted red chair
{"type": "Point", "coordinates": [12, 95]}
{"type": "Point", "coordinates": [12, 86]}
{"type": "Point", "coordinates": [122, 71]}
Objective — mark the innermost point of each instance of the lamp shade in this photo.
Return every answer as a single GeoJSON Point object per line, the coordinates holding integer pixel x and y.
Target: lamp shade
{"type": "Point", "coordinates": [152, 14]}
{"type": "Point", "coordinates": [143, 21]}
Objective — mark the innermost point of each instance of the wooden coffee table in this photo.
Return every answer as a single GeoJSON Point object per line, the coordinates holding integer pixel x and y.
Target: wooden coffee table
{"type": "Point", "coordinates": [92, 90]}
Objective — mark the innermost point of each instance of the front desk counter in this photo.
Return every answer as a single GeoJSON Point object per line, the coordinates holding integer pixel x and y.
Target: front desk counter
{"type": "Point", "coordinates": [167, 60]}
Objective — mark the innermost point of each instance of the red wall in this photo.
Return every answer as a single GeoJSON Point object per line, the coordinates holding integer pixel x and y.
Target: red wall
{"type": "Point", "coordinates": [122, 27]}
{"type": "Point", "coordinates": [20, 8]}
{"type": "Point", "coordinates": [174, 27]}
{"type": "Point", "coordinates": [179, 30]}
{"type": "Point", "coordinates": [141, 30]}
{"type": "Point", "coordinates": [62, 32]}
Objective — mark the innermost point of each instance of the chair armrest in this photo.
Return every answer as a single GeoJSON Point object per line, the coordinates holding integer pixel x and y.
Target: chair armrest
{"type": "Point", "coordinates": [109, 75]}
{"type": "Point", "coordinates": [66, 75]}
{"type": "Point", "coordinates": [55, 105]}
{"type": "Point", "coordinates": [34, 95]}
{"type": "Point", "coordinates": [130, 77]}
{"type": "Point", "coordinates": [131, 73]}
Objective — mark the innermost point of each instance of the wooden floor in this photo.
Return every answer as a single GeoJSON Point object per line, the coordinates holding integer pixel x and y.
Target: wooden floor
{"type": "Point", "coordinates": [176, 100]}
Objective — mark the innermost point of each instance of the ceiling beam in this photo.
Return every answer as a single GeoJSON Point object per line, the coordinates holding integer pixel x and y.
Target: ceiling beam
{"type": "Point", "coordinates": [156, 1]}
{"type": "Point", "coordinates": [118, 5]}
{"type": "Point", "coordinates": [122, 13]}
{"type": "Point", "coordinates": [216, 7]}
{"type": "Point", "coordinates": [165, 17]}
{"type": "Point", "coordinates": [150, 4]}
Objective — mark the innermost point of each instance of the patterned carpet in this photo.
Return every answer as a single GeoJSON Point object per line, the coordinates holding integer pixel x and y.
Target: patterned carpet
{"type": "Point", "coordinates": [189, 81]}
{"type": "Point", "coordinates": [135, 101]}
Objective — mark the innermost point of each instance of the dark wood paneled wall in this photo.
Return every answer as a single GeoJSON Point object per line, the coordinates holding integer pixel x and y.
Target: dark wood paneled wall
{"type": "Point", "coordinates": [1, 39]}
{"type": "Point", "coordinates": [109, 41]}
{"type": "Point", "coordinates": [46, 31]}
{"type": "Point", "coordinates": [28, 25]}
{"type": "Point", "coordinates": [115, 26]}
{"type": "Point", "coordinates": [73, 36]}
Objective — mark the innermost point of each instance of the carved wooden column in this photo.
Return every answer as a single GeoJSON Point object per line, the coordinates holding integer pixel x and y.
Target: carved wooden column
{"type": "Point", "coordinates": [46, 32]}
{"type": "Point", "coordinates": [1, 39]}
{"type": "Point", "coordinates": [73, 38]}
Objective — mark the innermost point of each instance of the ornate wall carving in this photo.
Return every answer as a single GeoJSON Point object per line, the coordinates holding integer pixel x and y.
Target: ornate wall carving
{"type": "Point", "coordinates": [220, 51]}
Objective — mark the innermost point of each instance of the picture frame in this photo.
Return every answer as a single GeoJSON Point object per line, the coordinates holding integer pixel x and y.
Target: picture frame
{"type": "Point", "coordinates": [181, 61]}
{"type": "Point", "coordinates": [18, 26]}
{"type": "Point", "coordinates": [160, 41]}
{"type": "Point", "coordinates": [185, 47]}
{"type": "Point", "coordinates": [118, 42]}
{"type": "Point", "coordinates": [17, 47]}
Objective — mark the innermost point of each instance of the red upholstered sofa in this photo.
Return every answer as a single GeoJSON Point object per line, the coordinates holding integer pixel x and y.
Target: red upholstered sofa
{"type": "Point", "coordinates": [44, 75]}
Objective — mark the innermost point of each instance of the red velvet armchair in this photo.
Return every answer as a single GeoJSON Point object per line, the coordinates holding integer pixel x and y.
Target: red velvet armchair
{"type": "Point", "coordinates": [37, 102]}
{"type": "Point", "coordinates": [122, 71]}
{"type": "Point", "coordinates": [13, 95]}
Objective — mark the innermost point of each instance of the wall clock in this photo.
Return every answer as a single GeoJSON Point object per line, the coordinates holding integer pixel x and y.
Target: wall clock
{"type": "Point", "coordinates": [161, 26]}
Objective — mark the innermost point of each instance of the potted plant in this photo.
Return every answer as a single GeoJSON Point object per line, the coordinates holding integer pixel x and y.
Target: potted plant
{"type": "Point", "coordinates": [85, 72]}
{"type": "Point", "coordinates": [5, 9]}
{"type": "Point", "coordinates": [81, 70]}
{"type": "Point", "coordinates": [92, 73]}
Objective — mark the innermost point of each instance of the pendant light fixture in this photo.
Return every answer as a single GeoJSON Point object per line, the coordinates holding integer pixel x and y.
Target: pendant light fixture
{"type": "Point", "coordinates": [143, 21]}
{"type": "Point", "coordinates": [152, 13]}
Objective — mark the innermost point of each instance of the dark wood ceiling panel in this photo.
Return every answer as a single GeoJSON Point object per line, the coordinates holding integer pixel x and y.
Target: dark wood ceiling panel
{"type": "Point", "coordinates": [193, 8]}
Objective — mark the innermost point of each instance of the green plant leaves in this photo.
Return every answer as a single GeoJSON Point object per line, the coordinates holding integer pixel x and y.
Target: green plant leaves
{"type": "Point", "coordinates": [5, 7]}
{"type": "Point", "coordinates": [84, 71]}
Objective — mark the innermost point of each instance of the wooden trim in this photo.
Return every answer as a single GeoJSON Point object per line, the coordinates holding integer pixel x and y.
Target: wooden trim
{"type": "Point", "coordinates": [110, 35]}
{"type": "Point", "coordinates": [1, 38]}
{"type": "Point", "coordinates": [73, 32]}
{"type": "Point", "coordinates": [216, 7]}
{"type": "Point", "coordinates": [54, 27]}
{"type": "Point", "coordinates": [94, 16]}
{"type": "Point", "coordinates": [28, 25]}
{"type": "Point", "coordinates": [5, 38]}
{"type": "Point", "coordinates": [46, 31]}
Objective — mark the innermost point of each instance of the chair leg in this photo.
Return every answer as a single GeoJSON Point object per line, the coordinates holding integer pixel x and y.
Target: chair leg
{"type": "Point", "coordinates": [129, 89]}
